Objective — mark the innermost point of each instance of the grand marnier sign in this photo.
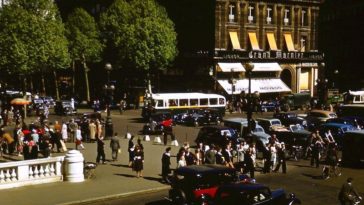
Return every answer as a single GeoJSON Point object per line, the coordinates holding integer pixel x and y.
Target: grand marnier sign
{"type": "Point", "coordinates": [269, 55]}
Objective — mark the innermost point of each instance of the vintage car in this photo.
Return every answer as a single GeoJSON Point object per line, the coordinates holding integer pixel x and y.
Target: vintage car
{"type": "Point", "coordinates": [293, 136]}
{"type": "Point", "coordinates": [64, 107]}
{"type": "Point", "coordinates": [197, 184]}
{"type": "Point", "coordinates": [337, 130]}
{"type": "Point", "coordinates": [241, 126]}
{"type": "Point", "coordinates": [158, 123]}
{"type": "Point", "coordinates": [352, 149]}
{"type": "Point", "coordinates": [268, 123]}
{"type": "Point", "coordinates": [317, 117]}
{"type": "Point", "coordinates": [214, 134]}
{"type": "Point", "coordinates": [252, 194]}
{"type": "Point", "coordinates": [290, 118]}
{"type": "Point", "coordinates": [198, 117]}
{"type": "Point", "coordinates": [352, 120]}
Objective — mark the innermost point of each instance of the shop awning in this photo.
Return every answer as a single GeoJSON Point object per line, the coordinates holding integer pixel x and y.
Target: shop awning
{"type": "Point", "coordinates": [271, 85]}
{"type": "Point", "coordinates": [230, 67]}
{"type": "Point", "coordinates": [266, 67]}
{"type": "Point", "coordinates": [289, 42]}
{"type": "Point", "coordinates": [253, 40]}
{"type": "Point", "coordinates": [272, 42]}
{"type": "Point", "coordinates": [234, 39]}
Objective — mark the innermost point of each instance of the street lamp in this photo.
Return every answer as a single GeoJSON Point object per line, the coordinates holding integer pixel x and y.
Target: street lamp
{"type": "Point", "coordinates": [109, 91]}
{"type": "Point", "coordinates": [232, 81]}
{"type": "Point", "coordinates": [248, 71]}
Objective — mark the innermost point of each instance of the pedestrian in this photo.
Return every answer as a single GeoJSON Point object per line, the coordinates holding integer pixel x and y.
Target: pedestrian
{"type": "Point", "coordinates": [267, 155]}
{"type": "Point", "coordinates": [72, 126]}
{"type": "Point", "coordinates": [79, 138]}
{"type": "Point", "coordinates": [92, 128]}
{"type": "Point", "coordinates": [210, 155]}
{"type": "Point", "coordinates": [64, 132]}
{"type": "Point", "coordinates": [315, 155]}
{"type": "Point", "coordinates": [219, 157]}
{"type": "Point", "coordinates": [166, 163]}
{"type": "Point", "coordinates": [98, 128]}
{"type": "Point", "coordinates": [100, 150]}
{"type": "Point", "coordinates": [189, 157]}
{"type": "Point", "coordinates": [115, 146]}
{"type": "Point", "coordinates": [249, 163]}
{"type": "Point", "coordinates": [131, 148]}
{"type": "Point", "coordinates": [138, 161]}
{"type": "Point", "coordinates": [182, 160]}
{"type": "Point", "coordinates": [281, 158]}
{"type": "Point", "coordinates": [228, 156]}
{"type": "Point", "coordinates": [139, 143]}
{"type": "Point", "coordinates": [348, 193]}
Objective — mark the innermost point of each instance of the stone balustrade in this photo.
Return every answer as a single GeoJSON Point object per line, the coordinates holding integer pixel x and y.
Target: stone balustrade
{"type": "Point", "coordinates": [30, 172]}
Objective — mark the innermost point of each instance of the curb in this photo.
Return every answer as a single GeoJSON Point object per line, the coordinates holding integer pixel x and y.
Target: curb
{"type": "Point", "coordinates": [115, 196]}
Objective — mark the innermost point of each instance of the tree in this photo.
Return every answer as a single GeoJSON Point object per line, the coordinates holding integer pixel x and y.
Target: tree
{"type": "Point", "coordinates": [84, 41]}
{"type": "Point", "coordinates": [32, 38]}
{"type": "Point", "coordinates": [140, 34]}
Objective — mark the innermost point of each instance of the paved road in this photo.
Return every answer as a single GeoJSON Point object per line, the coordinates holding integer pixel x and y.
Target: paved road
{"type": "Point", "coordinates": [116, 179]}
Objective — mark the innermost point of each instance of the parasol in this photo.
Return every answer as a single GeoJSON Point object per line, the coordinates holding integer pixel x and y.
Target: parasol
{"type": "Point", "coordinates": [19, 101]}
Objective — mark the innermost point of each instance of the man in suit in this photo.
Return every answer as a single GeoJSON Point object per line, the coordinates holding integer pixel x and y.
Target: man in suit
{"type": "Point", "coordinates": [115, 146]}
{"type": "Point", "coordinates": [166, 162]}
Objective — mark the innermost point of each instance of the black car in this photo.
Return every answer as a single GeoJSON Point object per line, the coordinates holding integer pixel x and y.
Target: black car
{"type": "Point", "coordinates": [64, 107]}
{"type": "Point", "coordinates": [197, 184]}
{"type": "Point", "coordinates": [158, 123]}
{"type": "Point", "coordinates": [289, 118]}
{"type": "Point", "coordinates": [214, 134]}
{"type": "Point", "coordinates": [252, 194]}
{"type": "Point", "coordinates": [199, 117]}
{"type": "Point", "coordinates": [351, 120]}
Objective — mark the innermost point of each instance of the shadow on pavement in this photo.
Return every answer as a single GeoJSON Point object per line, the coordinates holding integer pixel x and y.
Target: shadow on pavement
{"type": "Point", "coordinates": [159, 202]}
{"type": "Point", "coordinates": [312, 176]}
{"type": "Point", "coordinates": [300, 165]}
{"type": "Point", "coordinates": [126, 175]}
{"type": "Point", "coordinates": [120, 165]}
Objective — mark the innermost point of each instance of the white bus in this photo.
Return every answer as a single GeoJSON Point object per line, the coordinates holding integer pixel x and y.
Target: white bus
{"type": "Point", "coordinates": [355, 97]}
{"type": "Point", "coordinates": [176, 102]}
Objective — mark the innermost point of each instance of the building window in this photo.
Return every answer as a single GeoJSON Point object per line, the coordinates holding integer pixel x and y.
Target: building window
{"type": "Point", "coordinates": [289, 42]}
{"type": "Point", "coordinates": [232, 13]}
{"type": "Point", "coordinates": [286, 16]}
{"type": "Point", "coordinates": [251, 14]}
{"type": "Point", "coordinates": [271, 42]}
{"type": "Point", "coordinates": [269, 15]}
{"type": "Point", "coordinates": [253, 41]}
{"type": "Point", "coordinates": [304, 19]}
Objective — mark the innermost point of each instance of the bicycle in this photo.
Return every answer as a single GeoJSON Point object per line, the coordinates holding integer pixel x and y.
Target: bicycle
{"type": "Point", "coordinates": [330, 171]}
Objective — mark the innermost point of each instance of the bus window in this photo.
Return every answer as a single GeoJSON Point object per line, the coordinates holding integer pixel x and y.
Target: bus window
{"type": "Point", "coordinates": [159, 103]}
{"type": "Point", "coordinates": [221, 101]}
{"type": "Point", "coordinates": [213, 101]}
{"type": "Point", "coordinates": [193, 102]}
{"type": "Point", "coordinates": [172, 102]}
{"type": "Point", "coordinates": [183, 102]}
{"type": "Point", "coordinates": [203, 102]}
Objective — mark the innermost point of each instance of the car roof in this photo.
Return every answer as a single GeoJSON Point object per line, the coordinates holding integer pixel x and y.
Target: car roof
{"type": "Point", "coordinates": [334, 124]}
{"type": "Point", "coordinates": [242, 186]}
{"type": "Point", "coordinates": [219, 127]}
{"type": "Point", "coordinates": [322, 111]}
{"type": "Point", "coordinates": [204, 169]}
{"type": "Point", "coordinates": [356, 132]}
{"type": "Point", "coordinates": [237, 119]}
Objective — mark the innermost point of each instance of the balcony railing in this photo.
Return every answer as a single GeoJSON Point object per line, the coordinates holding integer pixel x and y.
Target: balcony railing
{"type": "Point", "coordinates": [30, 172]}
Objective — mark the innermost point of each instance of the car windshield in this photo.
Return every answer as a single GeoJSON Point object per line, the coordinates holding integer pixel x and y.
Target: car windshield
{"type": "Point", "coordinates": [229, 133]}
{"type": "Point", "coordinates": [297, 127]}
{"type": "Point", "coordinates": [291, 115]}
{"type": "Point", "coordinates": [258, 129]}
{"type": "Point", "coordinates": [276, 122]}
{"type": "Point", "coordinates": [332, 115]}
{"type": "Point", "coordinates": [203, 181]}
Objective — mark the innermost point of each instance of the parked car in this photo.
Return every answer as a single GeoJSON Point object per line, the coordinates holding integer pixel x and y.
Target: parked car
{"type": "Point", "coordinates": [241, 126]}
{"type": "Point", "coordinates": [64, 107]}
{"type": "Point", "coordinates": [48, 100]}
{"type": "Point", "coordinates": [337, 130]}
{"type": "Point", "coordinates": [214, 134]}
{"type": "Point", "coordinates": [158, 123]}
{"type": "Point", "coordinates": [268, 106]}
{"type": "Point", "coordinates": [294, 136]}
{"type": "Point", "coordinates": [317, 117]}
{"type": "Point", "coordinates": [252, 194]}
{"type": "Point", "coordinates": [352, 148]}
{"type": "Point", "coordinates": [290, 118]}
{"type": "Point", "coordinates": [199, 117]}
{"type": "Point", "coordinates": [352, 120]}
{"type": "Point", "coordinates": [268, 123]}
{"type": "Point", "coordinates": [197, 184]}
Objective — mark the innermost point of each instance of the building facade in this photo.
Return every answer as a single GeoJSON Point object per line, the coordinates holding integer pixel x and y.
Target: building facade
{"type": "Point", "coordinates": [278, 37]}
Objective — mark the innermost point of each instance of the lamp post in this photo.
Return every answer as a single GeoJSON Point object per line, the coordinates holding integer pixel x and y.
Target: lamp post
{"type": "Point", "coordinates": [248, 71]}
{"type": "Point", "coordinates": [109, 91]}
{"type": "Point", "coordinates": [232, 81]}
{"type": "Point", "coordinates": [336, 74]}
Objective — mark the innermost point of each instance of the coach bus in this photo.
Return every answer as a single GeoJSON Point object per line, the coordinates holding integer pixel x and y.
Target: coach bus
{"type": "Point", "coordinates": [177, 102]}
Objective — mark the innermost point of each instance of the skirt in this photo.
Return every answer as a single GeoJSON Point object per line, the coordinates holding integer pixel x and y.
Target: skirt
{"type": "Point", "coordinates": [138, 165]}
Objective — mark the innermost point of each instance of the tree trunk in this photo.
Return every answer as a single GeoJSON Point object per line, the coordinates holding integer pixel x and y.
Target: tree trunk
{"type": "Point", "coordinates": [43, 85]}
{"type": "Point", "coordinates": [31, 84]}
{"type": "Point", "coordinates": [85, 68]}
{"type": "Point", "coordinates": [73, 77]}
{"type": "Point", "coordinates": [25, 84]}
{"type": "Point", "coordinates": [56, 84]}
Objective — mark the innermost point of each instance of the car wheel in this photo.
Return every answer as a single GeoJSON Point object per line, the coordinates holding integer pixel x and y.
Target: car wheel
{"type": "Point", "coordinates": [178, 197]}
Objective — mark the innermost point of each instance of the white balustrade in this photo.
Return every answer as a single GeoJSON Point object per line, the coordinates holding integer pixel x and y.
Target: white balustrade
{"type": "Point", "coordinates": [30, 172]}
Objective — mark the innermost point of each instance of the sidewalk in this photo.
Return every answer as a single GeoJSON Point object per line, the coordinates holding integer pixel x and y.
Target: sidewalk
{"type": "Point", "coordinates": [114, 179]}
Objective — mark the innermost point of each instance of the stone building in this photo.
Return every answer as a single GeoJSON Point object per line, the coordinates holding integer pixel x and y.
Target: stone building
{"type": "Point", "coordinates": [280, 38]}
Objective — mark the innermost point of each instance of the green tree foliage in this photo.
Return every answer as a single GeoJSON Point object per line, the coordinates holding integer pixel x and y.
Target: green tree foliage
{"type": "Point", "coordinates": [84, 40]}
{"type": "Point", "coordinates": [140, 34]}
{"type": "Point", "coordinates": [32, 37]}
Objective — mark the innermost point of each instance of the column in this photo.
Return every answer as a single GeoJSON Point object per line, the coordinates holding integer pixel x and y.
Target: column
{"type": "Point", "coordinates": [298, 77]}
